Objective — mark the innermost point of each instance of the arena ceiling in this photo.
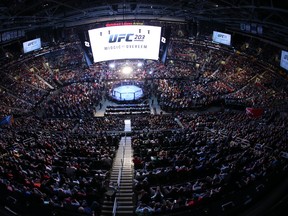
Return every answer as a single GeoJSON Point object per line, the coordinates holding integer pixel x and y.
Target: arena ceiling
{"type": "Point", "coordinates": [33, 14]}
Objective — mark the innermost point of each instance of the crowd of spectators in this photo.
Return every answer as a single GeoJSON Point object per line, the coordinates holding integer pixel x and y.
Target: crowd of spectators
{"type": "Point", "coordinates": [31, 71]}
{"type": "Point", "coordinates": [217, 154]}
{"type": "Point", "coordinates": [194, 75]}
{"type": "Point", "coordinates": [180, 160]}
{"type": "Point", "coordinates": [21, 89]}
{"type": "Point", "coordinates": [97, 125]}
{"type": "Point", "coordinates": [62, 158]}
{"type": "Point", "coordinates": [27, 81]}
{"type": "Point", "coordinates": [10, 104]}
{"type": "Point", "coordinates": [44, 164]}
{"type": "Point", "coordinates": [222, 76]}
{"type": "Point", "coordinates": [75, 100]}
{"type": "Point", "coordinates": [68, 65]}
{"type": "Point", "coordinates": [154, 123]}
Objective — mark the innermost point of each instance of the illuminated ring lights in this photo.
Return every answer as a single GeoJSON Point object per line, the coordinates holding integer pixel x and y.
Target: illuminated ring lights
{"type": "Point", "coordinates": [127, 93]}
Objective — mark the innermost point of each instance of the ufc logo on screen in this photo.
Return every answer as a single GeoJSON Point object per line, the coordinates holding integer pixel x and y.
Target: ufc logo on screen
{"type": "Point", "coordinates": [221, 36]}
{"type": "Point", "coordinates": [119, 37]}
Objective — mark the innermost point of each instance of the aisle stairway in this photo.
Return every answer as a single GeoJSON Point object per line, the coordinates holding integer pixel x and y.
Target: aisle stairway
{"type": "Point", "coordinates": [124, 197]}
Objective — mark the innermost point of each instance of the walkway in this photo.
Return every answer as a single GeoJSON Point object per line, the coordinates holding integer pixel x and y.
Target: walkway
{"type": "Point", "coordinates": [122, 174]}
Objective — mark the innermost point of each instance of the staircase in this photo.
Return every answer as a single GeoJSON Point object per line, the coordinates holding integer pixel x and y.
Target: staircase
{"type": "Point", "coordinates": [122, 173]}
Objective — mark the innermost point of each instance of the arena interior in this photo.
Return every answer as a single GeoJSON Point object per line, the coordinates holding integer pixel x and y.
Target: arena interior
{"type": "Point", "coordinates": [143, 107]}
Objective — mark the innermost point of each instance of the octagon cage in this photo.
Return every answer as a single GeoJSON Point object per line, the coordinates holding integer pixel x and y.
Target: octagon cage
{"type": "Point", "coordinates": [127, 91]}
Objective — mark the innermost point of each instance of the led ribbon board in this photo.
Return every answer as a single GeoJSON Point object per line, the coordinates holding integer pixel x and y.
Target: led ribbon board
{"type": "Point", "coordinates": [125, 42]}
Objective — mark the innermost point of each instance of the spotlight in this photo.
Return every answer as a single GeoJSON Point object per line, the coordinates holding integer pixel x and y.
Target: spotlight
{"type": "Point", "coordinates": [112, 65]}
{"type": "Point", "coordinates": [127, 70]}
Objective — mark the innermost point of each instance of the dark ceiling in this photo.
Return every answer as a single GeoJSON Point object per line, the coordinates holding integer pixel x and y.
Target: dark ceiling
{"type": "Point", "coordinates": [32, 14]}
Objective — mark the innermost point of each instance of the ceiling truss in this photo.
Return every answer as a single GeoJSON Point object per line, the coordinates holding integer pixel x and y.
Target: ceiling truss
{"type": "Point", "coordinates": [34, 14]}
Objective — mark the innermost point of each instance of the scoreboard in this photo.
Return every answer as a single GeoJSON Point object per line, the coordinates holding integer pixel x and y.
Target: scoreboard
{"type": "Point", "coordinates": [284, 59]}
{"type": "Point", "coordinates": [222, 38]}
{"type": "Point", "coordinates": [125, 42]}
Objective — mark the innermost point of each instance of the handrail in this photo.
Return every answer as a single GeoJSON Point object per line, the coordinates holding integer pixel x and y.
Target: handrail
{"type": "Point", "coordinates": [122, 162]}
{"type": "Point", "coordinates": [119, 177]}
{"type": "Point", "coordinates": [123, 156]}
{"type": "Point", "coordinates": [114, 207]}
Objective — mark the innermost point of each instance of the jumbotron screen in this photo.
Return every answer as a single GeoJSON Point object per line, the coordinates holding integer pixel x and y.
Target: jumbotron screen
{"type": "Point", "coordinates": [222, 38]}
{"type": "Point", "coordinates": [125, 42]}
{"type": "Point", "coordinates": [284, 60]}
{"type": "Point", "coordinates": [31, 45]}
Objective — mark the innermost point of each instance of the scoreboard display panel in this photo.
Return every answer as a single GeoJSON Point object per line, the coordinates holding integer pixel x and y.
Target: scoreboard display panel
{"type": "Point", "coordinates": [284, 59]}
{"type": "Point", "coordinates": [31, 45]}
{"type": "Point", "coordinates": [125, 42]}
{"type": "Point", "coordinates": [222, 38]}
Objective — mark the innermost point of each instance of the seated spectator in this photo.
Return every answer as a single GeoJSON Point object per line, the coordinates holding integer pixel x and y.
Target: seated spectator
{"type": "Point", "coordinates": [143, 210]}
